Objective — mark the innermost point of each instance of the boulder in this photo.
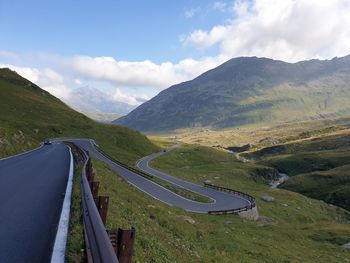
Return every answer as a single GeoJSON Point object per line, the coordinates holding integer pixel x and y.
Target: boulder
{"type": "Point", "coordinates": [267, 198]}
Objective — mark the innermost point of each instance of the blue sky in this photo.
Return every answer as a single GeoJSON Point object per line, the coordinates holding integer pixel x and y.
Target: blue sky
{"type": "Point", "coordinates": [122, 53]}
{"type": "Point", "coordinates": [127, 30]}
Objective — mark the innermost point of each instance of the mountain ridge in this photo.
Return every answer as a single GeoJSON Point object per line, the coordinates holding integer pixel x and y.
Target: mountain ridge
{"type": "Point", "coordinates": [248, 90]}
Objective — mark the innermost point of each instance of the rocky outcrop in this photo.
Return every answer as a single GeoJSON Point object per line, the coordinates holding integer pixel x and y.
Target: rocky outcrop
{"type": "Point", "coordinates": [18, 137]}
{"type": "Point", "coordinates": [5, 145]}
{"type": "Point", "coordinates": [267, 198]}
{"type": "Point", "coordinates": [251, 214]}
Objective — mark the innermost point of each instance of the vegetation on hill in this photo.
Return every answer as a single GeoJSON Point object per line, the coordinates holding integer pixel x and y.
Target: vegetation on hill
{"type": "Point", "coordinates": [249, 90]}
{"type": "Point", "coordinates": [318, 166]}
{"type": "Point", "coordinates": [292, 228]}
{"type": "Point", "coordinates": [29, 114]}
{"type": "Point", "coordinates": [259, 136]}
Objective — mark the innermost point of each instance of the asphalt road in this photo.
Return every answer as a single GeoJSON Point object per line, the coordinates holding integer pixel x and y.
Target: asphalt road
{"type": "Point", "coordinates": [32, 188]}
{"type": "Point", "coordinates": [221, 200]}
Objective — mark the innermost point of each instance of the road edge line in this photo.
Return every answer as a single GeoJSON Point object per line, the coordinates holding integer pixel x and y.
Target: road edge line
{"type": "Point", "coordinates": [59, 249]}
{"type": "Point", "coordinates": [22, 153]}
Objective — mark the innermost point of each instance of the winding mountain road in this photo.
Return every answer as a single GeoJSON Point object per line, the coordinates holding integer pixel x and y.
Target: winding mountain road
{"type": "Point", "coordinates": [32, 189]}
{"type": "Point", "coordinates": [221, 200]}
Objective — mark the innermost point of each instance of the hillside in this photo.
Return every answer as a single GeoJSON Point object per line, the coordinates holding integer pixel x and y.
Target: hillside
{"type": "Point", "coordinates": [318, 166]}
{"type": "Point", "coordinates": [29, 114]}
{"type": "Point", "coordinates": [292, 228]}
{"type": "Point", "coordinates": [249, 90]}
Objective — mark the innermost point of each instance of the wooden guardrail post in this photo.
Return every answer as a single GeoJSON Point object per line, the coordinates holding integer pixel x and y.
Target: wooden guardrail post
{"type": "Point", "coordinates": [122, 240]}
{"type": "Point", "coordinates": [103, 207]}
{"type": "Point", "coordinates": [125, 244]}
{"type": "Point", "coordinates": [94, 189]}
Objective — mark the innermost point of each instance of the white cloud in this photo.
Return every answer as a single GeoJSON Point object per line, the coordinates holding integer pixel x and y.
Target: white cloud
{"type": "Point", "coordinates": [123, 97]}
{"type": "Point", "coordinates": [140, 73]}
{"type": "Point", "coordinates": [290, 30]}
{"type": "Point", "coordinates": [221, 6]}
{"type": "Point", "coordinates": [189, 13]}
{"type": "Point", "coordinates": [78, 82]}
{"type": "Point", "coordinates": [47, 79]}
{"type": "Point", "coordinates": [92, 99]}
{"type": "Point", "coordinates": [143, 73]}
{"type": "Point", "coordinates": [205, 39]}
{"type": "Point", "coordinates": [122, 79]}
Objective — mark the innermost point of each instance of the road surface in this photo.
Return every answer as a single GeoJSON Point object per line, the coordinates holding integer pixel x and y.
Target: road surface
{"type": "Point", "coordinates": [32, 188]}
{"type": "Point", "coordinates": [221, 200]}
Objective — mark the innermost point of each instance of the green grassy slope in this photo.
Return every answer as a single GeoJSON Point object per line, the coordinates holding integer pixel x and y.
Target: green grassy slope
{"type": "Point", "coordinates": [293, 228]}
{"type": "Point", "coordinates": [332, 186]}
{"type": "Point", "coordinates": [29, 114]}
{"type": "Point", "coordinates": [319, 167]}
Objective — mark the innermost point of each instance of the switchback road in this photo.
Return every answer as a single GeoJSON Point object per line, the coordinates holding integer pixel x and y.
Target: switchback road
{"type": "Point", "coordinates": [221, 200]}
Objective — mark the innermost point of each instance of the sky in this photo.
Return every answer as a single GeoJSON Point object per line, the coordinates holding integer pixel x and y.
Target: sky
{"type": "Point", "coordinates": [114, 55]}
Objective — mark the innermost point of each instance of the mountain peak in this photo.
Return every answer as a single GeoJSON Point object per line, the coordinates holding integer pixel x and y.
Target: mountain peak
{"type": "Point", "coordinates": [248, 90]}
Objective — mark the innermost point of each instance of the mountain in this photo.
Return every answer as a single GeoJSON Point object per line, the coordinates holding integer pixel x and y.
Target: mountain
{"type": "Point", "coordinates": [28, 114]}
{"type": "Point", "coordinates": [249, 90]}
{"type": "Point", "coordinates": [89, 100]}
{"type": "Point", "coordinates": [105, 117]}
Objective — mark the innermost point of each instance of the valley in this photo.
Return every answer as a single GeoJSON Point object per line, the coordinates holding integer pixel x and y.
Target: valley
{"type": "Point", "coordinates": [175, 131]}
{"type": "Point", "coordinates": [294, 223]}
{"type": "Point", "coordinates": [292, 227]}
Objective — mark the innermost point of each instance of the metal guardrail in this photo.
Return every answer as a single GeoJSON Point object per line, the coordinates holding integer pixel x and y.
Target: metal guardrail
{"type": "Point", "coordinates": [235, 192]}
{"type": "Point", "coordinates": [220, 188]}
{"type": "Point", "coordinates": [146, 175]}
{"type": "Point", "coordinates": [98, 244]}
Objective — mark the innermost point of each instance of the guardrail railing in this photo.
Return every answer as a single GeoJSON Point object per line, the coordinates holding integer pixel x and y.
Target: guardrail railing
{"type": "Point", "coordinates": [101, 245]}
{"type": "Point", "coordinates": [235, 192]}
{"type": "Point", "coordinates": [98, 244]}
{"type": "Point", "coordinates": [146, 175]}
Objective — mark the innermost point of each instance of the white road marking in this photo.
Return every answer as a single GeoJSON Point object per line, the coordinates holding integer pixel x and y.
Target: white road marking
{"type": "Point", "coordinates": [13, 156]}
{"type": "Point", "coordinates": [59, 250]}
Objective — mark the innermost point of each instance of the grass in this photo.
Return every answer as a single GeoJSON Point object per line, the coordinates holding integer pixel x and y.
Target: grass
{"type": "Point", "coordinates": [319, 166]}
{"type": "Point", "coordinates": [182, 191]}
{"type": "Point", "coordinates": [162, 142]}
{"type": "Point", "coordinates": [207, 164]}
{"type": "Point", "coordinates": [294, 228]}
{"type": "Point", "coordinates": [29, 114]}
{"type": "Point", "coordinates": [75, 243]}
{"type": "Point", "coordinates": [332, 185]}
{"type": "Point", "coordinates": [260, 136]}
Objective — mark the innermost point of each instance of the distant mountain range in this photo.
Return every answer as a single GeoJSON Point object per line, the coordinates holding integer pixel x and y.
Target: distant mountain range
{"type": "Point", "coordinates": [249, 90]}
{"type": "Point", "coordinates": [97, 105]}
